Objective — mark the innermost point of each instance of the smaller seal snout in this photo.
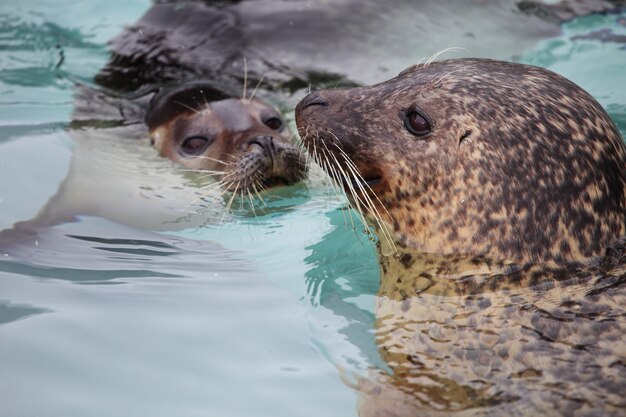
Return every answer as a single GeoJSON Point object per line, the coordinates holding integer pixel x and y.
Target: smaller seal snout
{"type": "Point", "coordinates": [278, 162]}
{"type": "Point", "coordinates": [265, 142]}
{"type": "Point", "coordinates": [313, 99]}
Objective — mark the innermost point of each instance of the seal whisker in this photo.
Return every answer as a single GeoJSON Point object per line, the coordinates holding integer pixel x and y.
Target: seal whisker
{"type": "Point", "coordinates": [367, 202]}
{"type": "Point", "coordinates": [441, 78]}
{"type": "Point", "coordinates": [256, 191]}
{"type": "Point", "coordinates": [359, 180]}
{"type": "Point", "coordinates": [245, 78]}
{"type": "Point", "coordinates": [346, 177]}
{"type": "Point", "coordinates": [188, 107]}
{"type": "Point", "coordinates": [232, 197]}
{"type": "Point", "coordinates": [206, 191]}
{"type": "Point", "coordinates": [323, 164]}
{"type": "Point", "coordinates": [212, 186]}
{"type": "Point", "coordinates": [304, 150]}
{"type": "Point", "coordinates": [208, 158]}
{"type": "Point", "coordinates": [219, 183]}
{"type": "Point", "coordinates": [256, 88]}
{"type": "Point", "coordinates": [350, 162]}
{"type": "Point", "coordinates": [373, 210]}
{"type": "Point", "coordinates": [242, 199]}
{"type": "Point", "coordinates": [201, 171]}
{"type": "Point", "coordinates": [342, 195]}
{"type": "Point", "coordinates": [252, 205]}
{"type": "Point", "coordinates": [334, 180]}
{"type": "Point", "coordinates": [314, 157]}
{"type": "Point", "coordinates": [434, 56]}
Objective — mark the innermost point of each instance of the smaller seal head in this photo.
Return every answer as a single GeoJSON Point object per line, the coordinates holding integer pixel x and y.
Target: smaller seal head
{"type": "Point", "coordinates": [243, 142]}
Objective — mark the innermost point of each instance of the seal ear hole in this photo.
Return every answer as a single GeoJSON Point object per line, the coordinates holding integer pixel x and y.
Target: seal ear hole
{"type": "Point", "coordinates": [463, 139]}
{"type": "Point", "coordinates": [274, 123]}
{"type": "Point", "coordinates": [194, 145]}
{"type": "Point", "coordinates": [417, 123]}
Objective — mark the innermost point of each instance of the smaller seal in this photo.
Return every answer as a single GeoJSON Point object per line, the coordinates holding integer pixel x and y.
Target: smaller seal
{"type": "Point", "coordinates": [475, 157]}
{"type": "Point", "coordinates": [243, 142]}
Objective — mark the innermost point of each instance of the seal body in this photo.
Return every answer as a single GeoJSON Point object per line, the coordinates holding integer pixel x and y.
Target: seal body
{"type": "Point", "coordinates": [514, 162]}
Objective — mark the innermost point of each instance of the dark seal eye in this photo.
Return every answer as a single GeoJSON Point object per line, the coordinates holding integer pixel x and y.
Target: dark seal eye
{"type": "Point", "coordinates": [416, 123]}
{"type": "Point", "coordinates": [274, 123]}
{"type": "Point", "coordinates": [194, 145]}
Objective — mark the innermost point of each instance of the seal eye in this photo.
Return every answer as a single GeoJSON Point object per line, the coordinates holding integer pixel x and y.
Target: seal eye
{"type": "Point", "coordinates": [416, 124]}
{"type": "Point", "coordinates": [194, 145]}
{"type": "Point", "coordinates": [274, 123]}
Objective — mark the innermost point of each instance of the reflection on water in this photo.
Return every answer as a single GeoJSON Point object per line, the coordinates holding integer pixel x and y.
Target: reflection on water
{"type": "Point", "coordinates": [540, 351]}
{"type": "Point", "coordinates": [11, 312]}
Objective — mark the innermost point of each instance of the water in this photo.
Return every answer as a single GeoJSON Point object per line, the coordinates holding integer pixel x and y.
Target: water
{"type": "Point", "coordinates": [112, 315]}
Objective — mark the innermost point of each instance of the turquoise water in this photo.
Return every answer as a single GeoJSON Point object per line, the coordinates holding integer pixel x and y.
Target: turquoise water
{"type": "Point", "coordinates": [252, 315]}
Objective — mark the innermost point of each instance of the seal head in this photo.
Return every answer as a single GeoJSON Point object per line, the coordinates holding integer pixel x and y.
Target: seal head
{"type": "Point", "coordinates": [475, 157]}
{"type": "Point", "coordinates": [243, 142]}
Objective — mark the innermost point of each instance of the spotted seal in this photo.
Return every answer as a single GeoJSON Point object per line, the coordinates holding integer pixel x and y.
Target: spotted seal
{"type": "Point", "coordinates": [242, 141]}
{"type": "Point", "coordinates": [495, 189]}
{"type": "Point", "coordinates": [478, 157]}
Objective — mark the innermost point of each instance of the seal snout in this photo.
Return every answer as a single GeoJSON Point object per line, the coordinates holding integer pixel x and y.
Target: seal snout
{"type": "Point", "coordinates": [278, 162]}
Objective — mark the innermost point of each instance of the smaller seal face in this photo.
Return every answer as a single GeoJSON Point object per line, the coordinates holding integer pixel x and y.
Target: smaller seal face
{"type": "Point", "coordinates": [243, 142]}
{"type": "Point", "coordinates": [475, 157]}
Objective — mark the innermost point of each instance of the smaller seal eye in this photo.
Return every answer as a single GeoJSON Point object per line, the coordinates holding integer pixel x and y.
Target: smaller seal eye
{"type": "Point", "coordinates": [194, 145]}
{"type": "Point", "coordinates": [416, 124]}
{"type": "Point", "coordinates": [274, 123]}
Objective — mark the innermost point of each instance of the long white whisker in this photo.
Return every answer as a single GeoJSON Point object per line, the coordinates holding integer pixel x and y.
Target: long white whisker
{"type": "Point", "coordinates": [256, 88]}
{"type": "Point", "coordinates": [189, 107]}
{"type": "Point", "coordinates": [335, 176]}
{"type": "Point", "coordinates": [252, 205]}
{"type": "Point", "coordinates": [360, 182]}
{"type": "Point", "coordinates": [436, 55]}
{"type": "Point", "coordinates": [245, 77]}
{"type": "Point", "coordinates": [357, 200]}
{"type": "Point", "coordinates": [208, 158]}
{"type": "Point", "coordinates": [256, 191]}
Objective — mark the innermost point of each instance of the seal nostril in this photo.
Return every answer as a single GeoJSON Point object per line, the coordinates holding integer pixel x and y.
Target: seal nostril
{"type": "Point", "coordinates": [265, 142]}
{"type": "Point", "coordinates": [313, 99]}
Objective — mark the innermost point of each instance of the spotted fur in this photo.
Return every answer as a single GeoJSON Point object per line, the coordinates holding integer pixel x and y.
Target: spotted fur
{"type": "Point", "coordinates": [521, 164]}
{"type": "Point", "coordinates": [501, 292]}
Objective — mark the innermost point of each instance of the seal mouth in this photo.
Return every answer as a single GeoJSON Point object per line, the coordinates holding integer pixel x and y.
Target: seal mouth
{"type": "Point", "coordinates": [275, 182]}
{"type": "Point", "coordinates": [367, 181]}
{"type": "Point", "coordinates": [269, 163]}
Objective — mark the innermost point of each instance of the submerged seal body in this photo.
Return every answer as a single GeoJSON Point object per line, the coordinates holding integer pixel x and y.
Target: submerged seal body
{"type": "Point", "coordinates": [478, 157]}
{"type": "Point", "coordinates": [491, 185]}
{"type": "Point", "coordinates": [243, 142]}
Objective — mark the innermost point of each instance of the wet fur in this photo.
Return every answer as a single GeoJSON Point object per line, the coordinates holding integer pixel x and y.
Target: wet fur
{"type": "Point", "coordinates": [501, 292]}
{"type": "Point", "coordinates": [521, 164]}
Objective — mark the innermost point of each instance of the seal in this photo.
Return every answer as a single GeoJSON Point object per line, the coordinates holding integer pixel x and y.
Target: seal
{"type": "Point", "coordinates": [497, 191]}
{"type": "Point", "coordinates": [244, 142]}
{"type": "Point", "coordinates": [476, 157]}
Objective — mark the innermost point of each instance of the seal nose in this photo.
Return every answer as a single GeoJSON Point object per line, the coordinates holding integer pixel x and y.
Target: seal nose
{"type": "Point", "coordinates": [313, 99]}
{"type": "Point", "coordinates": [265, 142]}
